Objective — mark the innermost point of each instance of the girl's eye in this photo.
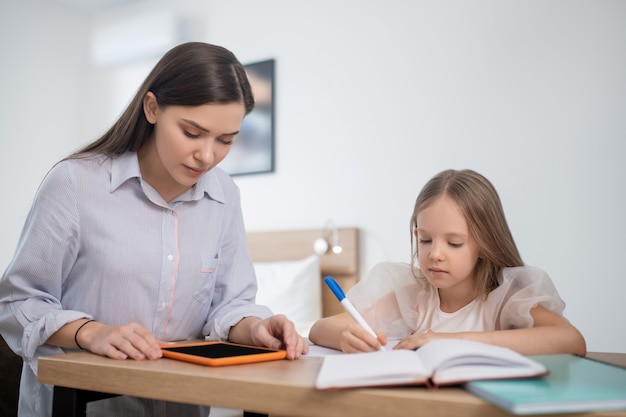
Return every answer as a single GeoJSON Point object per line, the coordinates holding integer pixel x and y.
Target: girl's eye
{"type": "Point", "coordinates": [455, 245]}
{"type": "Point", "coordinates": [424, 241]}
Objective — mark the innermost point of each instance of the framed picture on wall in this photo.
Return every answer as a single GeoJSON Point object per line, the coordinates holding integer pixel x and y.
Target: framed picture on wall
{"type": "Point", "coordinates": [253, 150]}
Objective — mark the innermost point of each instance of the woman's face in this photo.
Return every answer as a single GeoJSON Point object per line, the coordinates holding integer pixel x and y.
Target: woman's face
{"type": "Point", "coordinates": [186, 143]}
{"type": "Point", "coordinates": [447, 251]}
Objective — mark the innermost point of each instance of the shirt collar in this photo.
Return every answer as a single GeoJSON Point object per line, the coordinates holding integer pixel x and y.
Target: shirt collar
{"type": "Point", "coordinates": [126, 167]}
{"type": "Point", "coordinates": [123, 168]}
{"type": "Point", "coordinates": [210, 185]}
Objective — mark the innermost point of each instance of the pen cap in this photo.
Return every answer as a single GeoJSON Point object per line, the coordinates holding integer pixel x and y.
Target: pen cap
{"type": "Point", "coordinates": [334, 287]}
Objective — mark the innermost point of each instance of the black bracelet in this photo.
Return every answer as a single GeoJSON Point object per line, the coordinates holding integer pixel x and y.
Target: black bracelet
{"type": "Point", "coordinates": [76, 334]}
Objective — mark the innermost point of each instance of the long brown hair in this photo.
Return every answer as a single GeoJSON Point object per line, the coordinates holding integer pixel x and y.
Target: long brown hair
{"type": "Point", "coordinates": [190, 74]}
{"type": "Point", "coordinates": [479, 201]}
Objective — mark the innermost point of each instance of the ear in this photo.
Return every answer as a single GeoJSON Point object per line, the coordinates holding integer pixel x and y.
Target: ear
{"type": "Point", "coordinates": [150, 107]}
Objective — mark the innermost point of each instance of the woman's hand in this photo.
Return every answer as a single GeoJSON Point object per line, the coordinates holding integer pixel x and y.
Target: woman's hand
{"type": "Point", "coordinates": [276, 332]}
{"type": "Point", "coordinates": [119, 342]}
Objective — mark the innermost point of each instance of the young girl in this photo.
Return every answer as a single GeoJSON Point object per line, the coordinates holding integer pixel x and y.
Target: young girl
{"type": "Point", "coordinates": [139, 239]}
{"type": "Point", "coordinates": [471, 282]}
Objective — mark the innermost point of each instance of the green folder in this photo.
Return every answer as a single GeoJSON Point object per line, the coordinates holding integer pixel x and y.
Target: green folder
{"type": "Point", "coordinates": [574, 384]}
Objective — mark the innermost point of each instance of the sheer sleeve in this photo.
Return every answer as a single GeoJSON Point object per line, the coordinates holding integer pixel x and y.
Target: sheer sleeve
{"type": "Point", "coordinates": [388, 298]}
{"type": "Point", "coordinates": [521, 289]}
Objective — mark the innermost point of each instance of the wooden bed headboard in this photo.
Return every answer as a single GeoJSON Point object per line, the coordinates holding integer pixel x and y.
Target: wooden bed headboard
{"type": "Point", "coordinates": [287, 245]}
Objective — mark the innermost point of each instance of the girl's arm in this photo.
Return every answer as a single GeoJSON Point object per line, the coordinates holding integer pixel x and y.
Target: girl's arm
{"type": "Point", "coordinates": [550, 334]}
{"type": "Point", "coordinates": [341, 332]}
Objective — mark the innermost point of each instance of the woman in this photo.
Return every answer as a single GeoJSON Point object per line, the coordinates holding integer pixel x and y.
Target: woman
{"type": "Point", "coordinates": [138, 239]}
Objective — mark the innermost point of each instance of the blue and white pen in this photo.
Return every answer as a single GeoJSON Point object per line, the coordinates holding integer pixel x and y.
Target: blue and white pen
{"type": "Point", "coordinates": [349, 307]}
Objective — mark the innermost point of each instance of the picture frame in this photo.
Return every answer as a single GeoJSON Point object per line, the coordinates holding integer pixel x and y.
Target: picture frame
{"type": "Point", "coordinates": [253, 150]}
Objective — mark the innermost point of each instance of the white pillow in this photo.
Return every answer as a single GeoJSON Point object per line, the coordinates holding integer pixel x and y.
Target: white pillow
{"type": "Point", "coordinates": [292, 288]}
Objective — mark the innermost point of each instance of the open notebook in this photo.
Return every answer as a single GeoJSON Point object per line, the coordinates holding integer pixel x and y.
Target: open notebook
{"type": "Point", "coordinates": [440, 362]}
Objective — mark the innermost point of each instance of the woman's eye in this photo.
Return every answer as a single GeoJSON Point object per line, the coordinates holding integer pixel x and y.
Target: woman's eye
{"type": "Point", "coordinates": [191, 135]}
{"type": "Point", "coordinates": [228, 140]}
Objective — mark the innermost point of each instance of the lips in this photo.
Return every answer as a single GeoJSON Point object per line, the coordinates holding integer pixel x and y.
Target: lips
{"type": "Point", "coordinates": [195, 171]}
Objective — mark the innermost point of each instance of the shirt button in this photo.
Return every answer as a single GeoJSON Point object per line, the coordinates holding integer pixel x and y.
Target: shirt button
{"type": "Point", "coordinates": [163, 305]}
{"type": "Point", "coordinates": [170, 257]}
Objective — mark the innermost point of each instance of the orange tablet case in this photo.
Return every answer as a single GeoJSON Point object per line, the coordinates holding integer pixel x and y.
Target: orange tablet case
{"type": "Point", "coordinates": [221, 353]}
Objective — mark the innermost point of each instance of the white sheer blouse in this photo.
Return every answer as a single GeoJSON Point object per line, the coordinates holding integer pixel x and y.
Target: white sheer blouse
{"type": "Point", "coordinates": [394, 301]}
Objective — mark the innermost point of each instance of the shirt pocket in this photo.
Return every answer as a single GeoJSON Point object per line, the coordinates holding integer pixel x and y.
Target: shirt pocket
{"type": "Point", "coordinates": [208, 272]}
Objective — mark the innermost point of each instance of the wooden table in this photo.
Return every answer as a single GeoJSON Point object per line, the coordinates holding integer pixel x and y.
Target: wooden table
{"type": "Point", "coordinates": [277, 388]}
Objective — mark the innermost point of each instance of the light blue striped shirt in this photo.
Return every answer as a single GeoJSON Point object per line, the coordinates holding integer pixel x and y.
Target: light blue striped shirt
{"type": "Point", "coordinates": [101, 243]}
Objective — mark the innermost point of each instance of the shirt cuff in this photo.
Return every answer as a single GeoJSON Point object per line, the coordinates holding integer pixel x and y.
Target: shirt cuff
{"type": "Point", "coordinates": [220, 328]}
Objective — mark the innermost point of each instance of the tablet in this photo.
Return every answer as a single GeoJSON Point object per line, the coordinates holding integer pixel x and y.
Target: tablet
{"type": "Point", "coordinates": [221, 353]}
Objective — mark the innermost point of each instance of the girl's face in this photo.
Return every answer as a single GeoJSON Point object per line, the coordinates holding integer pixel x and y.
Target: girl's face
{"type": "Point", "coordinates": [447, 253]}
{"type": "Point", "coordinates": [187, 142]}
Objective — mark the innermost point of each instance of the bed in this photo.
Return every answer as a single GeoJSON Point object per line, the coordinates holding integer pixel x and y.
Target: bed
{"type": "Point", "coordinates": [290, 273]}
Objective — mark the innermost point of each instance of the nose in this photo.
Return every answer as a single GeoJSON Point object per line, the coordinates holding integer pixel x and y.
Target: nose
{"type": "Point", "coordinates": [436, 251]}
{"type": "Point", "coordinates": [204, 153]}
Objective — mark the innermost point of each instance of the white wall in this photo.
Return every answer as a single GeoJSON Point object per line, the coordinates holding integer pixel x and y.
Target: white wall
{"type": "Point", "coordinates": [373, 98]}
{"type": "Point", "coordinates": [376, 97]}
{"type": "Point", "coordinates": [40, 100]}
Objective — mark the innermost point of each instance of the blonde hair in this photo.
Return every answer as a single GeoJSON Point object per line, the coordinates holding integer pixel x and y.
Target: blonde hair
{"type": "Point", "coordinates": [479, 201]}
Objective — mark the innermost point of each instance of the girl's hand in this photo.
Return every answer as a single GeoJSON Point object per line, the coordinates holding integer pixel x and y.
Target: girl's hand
{"type": "Point", "coordinates": [355, 338]}
{"type": "Point", "coordinates": [278, 332]}
{"type": "Point", "coordinates": [119, 342]}
{"type": "Point", "coordinates": [417, 340]}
